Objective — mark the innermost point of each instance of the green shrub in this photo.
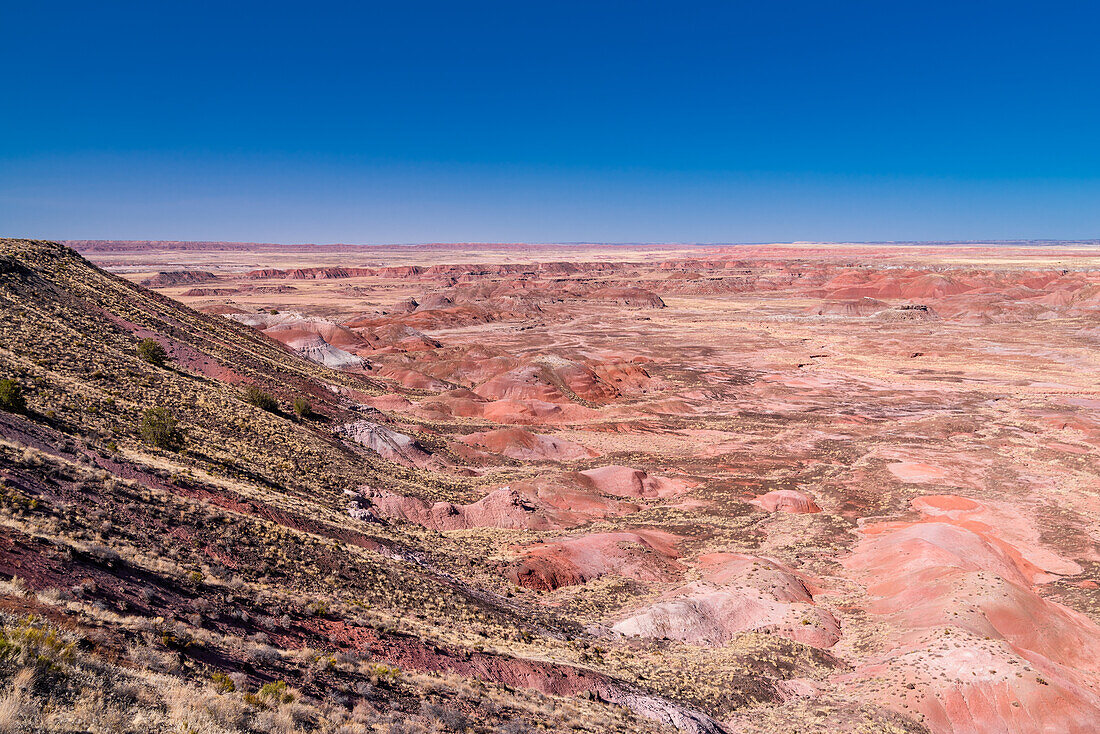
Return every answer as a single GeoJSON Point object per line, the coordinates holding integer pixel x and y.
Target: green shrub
{"type": "Point", "coordinates": [270, 694]}
{"type": "Point", "coordinates": [11, 396]}
{"type": "Point", "coordinates": [160, 428]}
{"type": "Point", "coordinates": [262, 400]}
{"type": "Point", "coordinates": [152, 352]}
{"type": "Point", "coordinates": [223, 683]}
{"type": "Point", "coordinates": [302, 408]}
{"type": "Point", "coordinates": [31, 642]}
{"type": "Point", "coordinates": [382, 674]}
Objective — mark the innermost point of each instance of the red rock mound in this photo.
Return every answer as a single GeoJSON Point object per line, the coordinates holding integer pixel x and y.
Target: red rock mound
{"type": "Point", "coordinates": [786, 500]}
{"type": "Point", "coordinates": [517, 443]}
{"type": "Point", "coordinates": [522, 383]}
{"type": "Point", "coordinates": [625, 481]}
{"type": "Point", "coordinates": [647, 555]}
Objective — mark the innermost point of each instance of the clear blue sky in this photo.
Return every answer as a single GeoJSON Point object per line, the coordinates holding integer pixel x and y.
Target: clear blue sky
{"type": "Point", "coordinates": [550, 121]}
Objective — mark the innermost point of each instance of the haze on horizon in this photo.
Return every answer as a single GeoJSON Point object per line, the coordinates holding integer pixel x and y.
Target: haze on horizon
{"type": "Point", "coordinates": [610, 122]}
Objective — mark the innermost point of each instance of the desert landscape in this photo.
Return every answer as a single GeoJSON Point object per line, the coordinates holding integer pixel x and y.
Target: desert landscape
{"type": "Point", "coordinates": [507, 488]}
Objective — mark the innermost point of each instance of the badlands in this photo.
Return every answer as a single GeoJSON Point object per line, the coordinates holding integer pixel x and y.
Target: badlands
{"type": "Point", "coordinates": [783, 488]}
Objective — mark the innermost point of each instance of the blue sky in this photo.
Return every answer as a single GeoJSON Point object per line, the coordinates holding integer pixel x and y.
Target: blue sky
{"type": "Point", "coordinates": [537, 121]}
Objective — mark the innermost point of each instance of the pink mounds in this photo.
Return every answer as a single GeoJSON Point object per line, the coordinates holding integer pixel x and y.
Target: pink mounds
{"type": "Point", "coordinates": [982, 652]}
{"type": "Point", "coordinates": [786, 500]}
{"type": "Point", "coordinates": [624, 481]}
{"type": "Point", "coordinates": [586, 383]}
{"type": "Point", "coordinates": [522, 383]}
{"type": "Point", "coordinates": [960, 683]}
{"type": "Point", "coordinates": [916, 473]}
{"type": "Point", "coordinates": [739, 594]}
{"type": "Point", "coordinates": [624, 375]}
{"type": "Point", "coordinates": [528, 505]}
{"type": "Point", "coordinates": [517, 443]}
{"type": "Point", "coordinates": [535, 412]}
{"type": "Point", "coordinates": [645, 555]}
{"type": "Point", "coordinates": [410, 378]}
{"type": "Point", "coordinates": [1003, 526]}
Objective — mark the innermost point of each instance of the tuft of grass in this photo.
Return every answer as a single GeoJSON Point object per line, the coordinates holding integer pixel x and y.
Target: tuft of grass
{"type": "Point", "coordinates": [302, 408]}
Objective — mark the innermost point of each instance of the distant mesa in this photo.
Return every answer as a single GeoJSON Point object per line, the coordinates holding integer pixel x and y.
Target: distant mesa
{"type": "Point", "coordinates": [634, 297]}
{"type": "Point", "coordinates": [178, 277]}
{"type": "Point", "coordinates": [909, 312]}
{"type": "Point", "coordinates": [865, 306]}
{"type": "Point", "coordinates": [200, 292]}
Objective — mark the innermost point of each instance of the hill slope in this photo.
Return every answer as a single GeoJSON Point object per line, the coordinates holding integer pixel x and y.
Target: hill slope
{"type": "Point", "coordinates": [141, 577]}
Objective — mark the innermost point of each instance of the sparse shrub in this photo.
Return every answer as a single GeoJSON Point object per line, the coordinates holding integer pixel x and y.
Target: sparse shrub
{"type": "Point", "coordinates": [11, 396]}
{"type": "Point", "coordinates": [302, 408]}
{"type": "Point", "coordinates": [271, 694]}
{"type": "Point", "coordinates": [152, 352]}
{"type": "Point", "coordinates": [262, 400]}
{"type": "Point", "coordinates": [160, 428]}
{"type": "Point", "coordinates": [223, 683]}
{"type": "Point", "coordinates": [382, 674]}
{"type": "Point", "coordinates": [30, 642]}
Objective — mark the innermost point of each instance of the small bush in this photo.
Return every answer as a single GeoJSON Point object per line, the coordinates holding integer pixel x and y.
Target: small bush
{"type": "Point", "coordinates": [302, 408]}
{"type": "Point", "coordinates": [152, 352]}
{"type": "Point", "coordinates": [11, 396]}
{"type": "Point", "coordinates": [382, 674]}
{"type": "Point", "coordinates": [262, 400]}
{"type": "Point", "coordinates": [31, 642]}
{"type": "Point", "coordinates": [160, 428]}
{"type": "Point", "coordinates": [271, 694]}
{"type": "Point", "coordinates": [223, 683]}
